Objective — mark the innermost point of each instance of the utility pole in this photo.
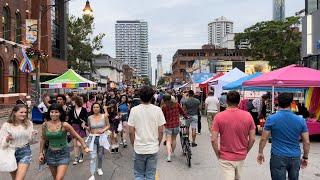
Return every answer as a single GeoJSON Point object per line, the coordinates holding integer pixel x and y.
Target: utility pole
{"type": "Point", "coordinates": [38, 95]}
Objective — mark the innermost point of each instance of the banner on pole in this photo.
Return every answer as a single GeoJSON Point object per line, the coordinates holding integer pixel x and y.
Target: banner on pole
{"type": "Point", "coordinates": [31, 31]}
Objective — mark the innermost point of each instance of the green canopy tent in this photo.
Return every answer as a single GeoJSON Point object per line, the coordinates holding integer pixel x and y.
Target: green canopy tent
{"type": "Point", "coordinates": [68, 80]}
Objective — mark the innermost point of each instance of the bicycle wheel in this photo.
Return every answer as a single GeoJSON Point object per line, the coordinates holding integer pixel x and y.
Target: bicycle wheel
{"type": "Point", "coordinates": [188, 154]}
{"type": "Point", "coordinates": [182, 142]}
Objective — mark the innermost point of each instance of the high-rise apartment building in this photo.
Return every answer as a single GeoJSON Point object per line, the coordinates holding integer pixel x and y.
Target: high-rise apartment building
{"type": "Point", "coordinates": [149, 67]}
{"type": "Point", "coordinates": [278, 10]}
{"type": "Point", "coordinates": [218, 29]}
{"type": "Point", "coordinates": [132, 45]}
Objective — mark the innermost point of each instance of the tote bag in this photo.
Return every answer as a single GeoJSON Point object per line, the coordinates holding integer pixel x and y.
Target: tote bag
{"type": "Point", "coordinates": [8, 161]}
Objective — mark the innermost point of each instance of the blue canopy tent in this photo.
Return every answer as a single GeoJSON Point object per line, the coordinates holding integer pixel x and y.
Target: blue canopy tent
{"type": "Point", "coordinates": [237, 85]}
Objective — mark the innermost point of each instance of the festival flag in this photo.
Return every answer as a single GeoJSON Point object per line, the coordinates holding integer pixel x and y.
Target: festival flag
{"type": "Point", "coordinates": [26, 64]}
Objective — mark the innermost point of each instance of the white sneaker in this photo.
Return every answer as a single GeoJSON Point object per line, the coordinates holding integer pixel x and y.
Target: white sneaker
{"type": "Point", "coordinates": [91, 178]}
{"type": "Point", "coordinates": [100, 172]}
{"type": "Point", "coordinates": [80, 160]}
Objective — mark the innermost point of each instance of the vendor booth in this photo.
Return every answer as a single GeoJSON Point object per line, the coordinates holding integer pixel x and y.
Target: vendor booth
{"type": "Point", "coordinates": [293, 76]}
{"type": "Point", "coordinates": [68, 80]}
{"type": "Point", "coordinates": [227, 78]}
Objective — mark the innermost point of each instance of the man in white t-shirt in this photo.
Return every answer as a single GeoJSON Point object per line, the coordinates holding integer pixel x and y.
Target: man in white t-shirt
{"type": "Point", "coordinates": [212, 106]}
{"type": "Point", "coordinates": [146, 126]}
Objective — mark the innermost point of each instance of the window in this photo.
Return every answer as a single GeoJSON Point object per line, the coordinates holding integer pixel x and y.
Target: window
{"type": "Point", "coordinates": [18, 28]}
{"type": "Point", "coordinates": [312, 6]}
{"type": "Point", "coordinates": [56, 28]}
{"type": "Point", "coordinates": [13, 77]}
{"type": "Point", "coordinates": [6, 21]}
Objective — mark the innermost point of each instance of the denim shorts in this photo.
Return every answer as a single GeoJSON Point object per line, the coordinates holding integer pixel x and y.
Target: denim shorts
{"type": "Point", "coordinates": [193, 122]}
{"type": "Point", "coordinates": [58, 157]}
{"type": "Point", "coordinates": [23, 155]}
{"type": "Point", "coordinates": [172, 131]}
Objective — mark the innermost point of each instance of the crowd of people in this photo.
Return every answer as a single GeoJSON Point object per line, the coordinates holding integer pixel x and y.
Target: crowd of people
{"type": "Point", "coordinates": [98, 121]}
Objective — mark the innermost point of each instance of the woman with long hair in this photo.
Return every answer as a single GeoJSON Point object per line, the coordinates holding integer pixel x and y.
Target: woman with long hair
{"type": "Point", "coordinates": [54, 132]}
{"type": "Point", "coordinates": [114, 120]}
{"type": "Point", "coordinates": [78, 117]}
{"type": "Point", "coordinates": [124, 109]}
{"type": "Point", "coordinates": [17, 133]}
{"type": "Point", "coordinates": [98, 124]}
{"type": "Point", "coordinates": [172, 111]}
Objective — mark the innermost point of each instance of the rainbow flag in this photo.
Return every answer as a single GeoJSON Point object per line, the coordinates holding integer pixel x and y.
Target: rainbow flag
{"type": "Point", "coordinates": [312, 101]}
{"type": "Point", "coordinates": [26, 64]}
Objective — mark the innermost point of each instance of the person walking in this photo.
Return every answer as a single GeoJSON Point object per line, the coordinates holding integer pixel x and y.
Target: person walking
{"type": "Point", "coordinates": [146, 124]}
{"type": "Point", "coordinates": [44, 105]}
{"type": "Point", "coordinates": [98, 124]}
{"type": "Point", "coordinates": [78, 117]}
{"type": "Point", "coordinates": [54, 132]}
{"type": "Point", "coordinates": [237, 136]}
{"type": "Point", "coordinates": [114, 120]}
{"type": "Point", "coordinates": [172, 111]}
{"type": "Point", "coordinates": [286, 128]}
{"type": "Point", "coordinates": [192, 106]}
{"type": "Point", "coordinates": [18, 133]}
{"type": "Point", "coordinates": [124, 109]}
{"type": "Point", "coordinates": [212, 107]}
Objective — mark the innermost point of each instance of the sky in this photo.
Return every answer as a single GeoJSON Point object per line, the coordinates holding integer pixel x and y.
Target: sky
{"type": "Point", "coordinates": [176, 24]}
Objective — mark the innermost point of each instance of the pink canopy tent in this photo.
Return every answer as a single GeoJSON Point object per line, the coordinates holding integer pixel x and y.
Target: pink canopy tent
{"type": "Point", "coordinates": [290, 76]}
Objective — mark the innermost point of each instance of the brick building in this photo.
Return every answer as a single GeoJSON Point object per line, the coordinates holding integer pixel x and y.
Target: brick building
{"type": "Point", "coordinates": [184, 59]}
{"type": "Point", "coordinates": [13, 39]}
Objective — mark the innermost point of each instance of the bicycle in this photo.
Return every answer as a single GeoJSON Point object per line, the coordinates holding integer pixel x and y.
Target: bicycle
{"type": "Point", "coordinates": [185, 143]}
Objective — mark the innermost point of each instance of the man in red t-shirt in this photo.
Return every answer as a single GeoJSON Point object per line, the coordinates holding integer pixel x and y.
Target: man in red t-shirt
{"type": "Point", "coordinates": [237, 135]}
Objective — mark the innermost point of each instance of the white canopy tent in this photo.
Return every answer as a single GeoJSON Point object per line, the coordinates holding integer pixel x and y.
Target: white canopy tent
{"type": "Point", "coordinates": [227, 78]}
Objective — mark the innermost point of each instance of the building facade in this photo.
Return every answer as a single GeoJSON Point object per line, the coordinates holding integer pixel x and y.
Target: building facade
{"type": "Point", "coordinates": [108, 70]}
{"type": "Point", "coordinates": [310, 49]}
{"type": "Point", "coordinates": [228, 41]}
{"type": "Point", "coordinates": [218, 29]}
{"type": "Point", "coordinates": [159, 67]}
{"type": "Point", "coordinates": [13, 39]}
{"type": "Point", "coordinates": [218, 60]}
{"type": "Point", "coordinates": [279, 10]}
{"type": "Point", "coordinates": [149, 67]}
{"type": "Point", "coordinates": [132, 45]}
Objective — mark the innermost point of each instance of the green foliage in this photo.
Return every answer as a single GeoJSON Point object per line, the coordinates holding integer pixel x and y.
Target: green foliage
{"type": "Point", "coordinates": [146, 81]}
{"type": "Point", "coordinates": [82, 43]}
{"type": "Point", "coordinates": [161, 81]}
{"type": "Point", "coordinates": [275, 41]}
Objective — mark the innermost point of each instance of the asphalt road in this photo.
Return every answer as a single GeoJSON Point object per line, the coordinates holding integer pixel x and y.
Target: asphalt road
{"type": "Point", "coordinates": [204, 164]}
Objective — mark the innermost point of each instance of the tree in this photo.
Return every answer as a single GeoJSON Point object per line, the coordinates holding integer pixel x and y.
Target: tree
{"type": "Point", "coordinates": [275, 41]}
{"type": "Point", "coordinates": [146, 81]}
{"type": "Point", "coordinates": [161, 81]}
{"type": "Point", "coordinates": [82, 43]}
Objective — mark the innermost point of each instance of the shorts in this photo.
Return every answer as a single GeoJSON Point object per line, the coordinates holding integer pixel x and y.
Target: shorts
{"type": "Point", "coordinates": [172, 131]}
{"type": "Point", "coordinates": [23, 155]}
{"type": "Point", "coordinates": [192, 121]}
{"type": "Point", "coordinates": [57, 157]}
{"type": "Point", "coordinates": [210, 117]}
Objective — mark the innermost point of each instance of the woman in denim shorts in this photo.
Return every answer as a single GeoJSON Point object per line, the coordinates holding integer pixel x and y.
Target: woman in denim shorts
{"type": "Point", "coordinates": [17, 133]}
{"type": "Point", "coordinates": [171, 111]}
{"type": "Point", "coordinates": [54, 131]}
